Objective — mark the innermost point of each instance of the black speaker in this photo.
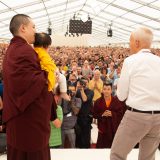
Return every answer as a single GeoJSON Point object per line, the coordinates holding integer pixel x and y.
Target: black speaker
{"type": "Point", "coordinates": [78, 26]}
{"type": "Point", "coordinates": [109, 33]}
{"type": "Point", "coordinates": [49, 31]}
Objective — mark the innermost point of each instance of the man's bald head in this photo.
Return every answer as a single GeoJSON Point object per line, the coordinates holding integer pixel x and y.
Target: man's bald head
{"type": "Point", "coordinates": [141, 38]}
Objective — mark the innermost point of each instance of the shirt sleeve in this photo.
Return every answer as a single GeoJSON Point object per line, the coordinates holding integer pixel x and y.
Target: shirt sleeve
{"type": "Point", "coordinates": [90, 95]}
{"type": "Point", "coordinates": [59, 113]}
{"type": "Point", "coordinates": [62, 83]}
{"type": "Point", "coordinates": [123, 82]}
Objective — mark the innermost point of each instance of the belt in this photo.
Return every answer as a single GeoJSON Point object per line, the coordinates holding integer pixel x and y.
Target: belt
{"type": "Point", "coordinates": [149, 112]}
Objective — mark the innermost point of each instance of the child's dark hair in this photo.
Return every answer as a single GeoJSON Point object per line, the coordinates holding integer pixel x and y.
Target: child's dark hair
{"type": "Point", "coordinates": [42, 40]}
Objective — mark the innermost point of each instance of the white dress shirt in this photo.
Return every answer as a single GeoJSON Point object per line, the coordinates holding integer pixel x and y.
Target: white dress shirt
{"type": "Point", "coordinates": [139, 82]}
{"type": "Point", "coordinates": [62, 83]}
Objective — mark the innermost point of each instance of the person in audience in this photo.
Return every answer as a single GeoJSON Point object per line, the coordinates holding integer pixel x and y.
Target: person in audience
{"type": "Point", "coordinates": [108, 111]}
{"type": "Point", "coordinates": [55, 140]}
{"type": "Point", "coordinates": [116, 80]}
{"type": "Point", "coordinates": [1, 106]}
{"type": "Point", "coordinates": [74, 65]}
{"type": "Point", "coordinates": [96, 85]}
{"type": "Point", "coordinates": [79, 72]}
{"type": "Point", "coordinates": [104, 76]}
{"type": "Point", "coordinates": [2, 130]}
{"type": "Point", "coordinates": [112, 71]}
{"type": "Point", "coordinates": [64, 67]}
{"type": "Point", "coordinates": [27, 102]}
{"type": "Point", "coordinates": [73, 71]}
{"type": "Point", "coordinates": [70, 110]}
{"type": "Point", "coordinates": [100, 64]}
{"type": "Point", "coordinates": [2, 125]}
{"type": "Point", "coordinates": [83, 127]}
{"type": "Point", "coordinates": [72, 80]}
{"type": "Point", "coordinates": [139, 86]}
{"type": "Point", "coordinates": [86, 70]}
{"type": "Point", "coordinates": [91, 65]}
{"type": "Point", "coordinates": [1, 122]}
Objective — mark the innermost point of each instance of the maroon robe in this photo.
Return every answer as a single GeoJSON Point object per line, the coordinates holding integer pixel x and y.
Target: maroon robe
{"type": "Point", "coordinates": [27, 102]}
{"type": "Point", "coordinates": [107, 126]}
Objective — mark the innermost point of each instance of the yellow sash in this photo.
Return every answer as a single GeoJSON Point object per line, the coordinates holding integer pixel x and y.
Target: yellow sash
{"type": "Point", "coordinates": [48, 65]}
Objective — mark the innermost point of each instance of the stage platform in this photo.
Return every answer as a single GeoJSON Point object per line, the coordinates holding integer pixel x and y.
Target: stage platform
{"type": "Point", "coordinates": [87, 154]}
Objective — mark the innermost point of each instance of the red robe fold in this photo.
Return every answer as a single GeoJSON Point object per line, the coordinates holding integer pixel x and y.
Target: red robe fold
{"type": "Point", "coordinates": [27, 102]}
{"type": "Point", "coordinates": [107, 126]}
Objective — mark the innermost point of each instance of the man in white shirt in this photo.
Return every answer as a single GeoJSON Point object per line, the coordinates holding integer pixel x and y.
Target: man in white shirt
{"type": "Point", "coordinates": [139, 85]}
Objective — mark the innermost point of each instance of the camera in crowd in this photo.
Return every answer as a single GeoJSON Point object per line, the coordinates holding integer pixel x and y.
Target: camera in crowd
{"type": "Point", "coordinates": [70, 93]}
{"type": "Point", "coordinates": [70, 71]}
{"type": "Point", "coordinates": [82, 83]}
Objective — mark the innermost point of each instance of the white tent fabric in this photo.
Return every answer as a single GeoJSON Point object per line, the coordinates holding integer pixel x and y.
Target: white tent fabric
{"type": "Point", "coordinates": [123, 15]}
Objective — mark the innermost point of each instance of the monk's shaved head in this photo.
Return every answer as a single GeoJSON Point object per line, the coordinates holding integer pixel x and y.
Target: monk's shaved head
{"type": "Point", "coordinates": [17, 21]}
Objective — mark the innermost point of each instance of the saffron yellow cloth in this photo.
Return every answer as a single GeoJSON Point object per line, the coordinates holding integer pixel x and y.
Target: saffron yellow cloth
{"type": "Point", "coordinates": [108, 102]}
{"type": "Point", "coordinates": [48, 65]}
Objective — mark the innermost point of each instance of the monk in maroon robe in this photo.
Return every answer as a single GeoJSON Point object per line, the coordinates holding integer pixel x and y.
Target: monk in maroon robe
{"type": "Point", "coordinates": [108, 111]}
{"type": "Point", "coordinates": [27, 101]}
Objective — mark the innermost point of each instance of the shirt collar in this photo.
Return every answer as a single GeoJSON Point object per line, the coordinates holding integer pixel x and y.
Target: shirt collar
{"type": "Point", "coordinates": [145, 50]}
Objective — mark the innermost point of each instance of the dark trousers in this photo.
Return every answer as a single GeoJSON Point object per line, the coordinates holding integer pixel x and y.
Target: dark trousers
{"type": "Point", "coordinates": [2, 142]}
{"type": "Point", "coordinates": [83, 134]}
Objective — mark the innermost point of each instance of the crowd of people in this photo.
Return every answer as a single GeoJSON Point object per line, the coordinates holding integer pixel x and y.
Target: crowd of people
{"type": "Point", "coordinates": [66, 55]}
{"type": "Point", "coordinates": [72, 88]}
{"type": "Point", "coordinates": [86, 71]}
{"type": "Point", "coordinates": [85, 82]}
{"type": "Point", "coordinates": [93, 69]}
{"type": "Point", "coordinates": [97, 65]}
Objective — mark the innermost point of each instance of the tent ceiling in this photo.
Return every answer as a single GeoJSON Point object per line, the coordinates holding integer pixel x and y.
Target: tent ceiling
{"type": "Point", "coordinates": [124, 15]}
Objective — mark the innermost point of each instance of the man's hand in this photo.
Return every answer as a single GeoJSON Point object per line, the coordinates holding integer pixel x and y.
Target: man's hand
{"type": "Point", "coordinates": [1, 128]}
{"type": "Point", "coordinates": [107, 113]}
{"type": "Point", "coordinates": [57, 123]}
{"type": "Point", "coordinates": [96, 87]}
{"type": "Point", "coordinates": [65, 96]}
{"type": "Point", "coordinates": [84, 97]}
